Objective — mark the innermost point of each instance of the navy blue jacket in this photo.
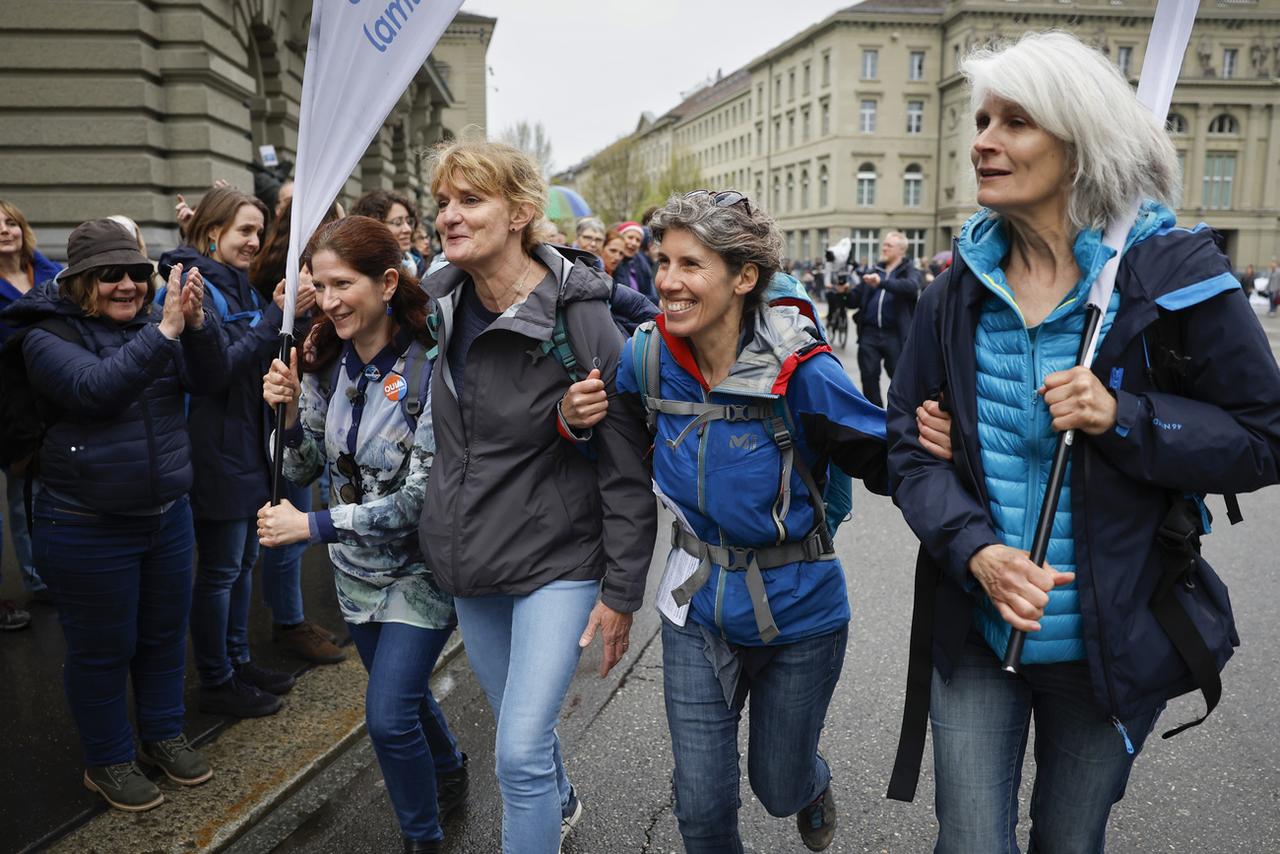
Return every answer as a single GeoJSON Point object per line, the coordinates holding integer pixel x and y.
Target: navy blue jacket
{"type": "Point", "coordinates": [644, 275]}
{"type": "Point", "coordinates": [1225, 438]}
{"type": "Point", "coordinates": [119, 443]}
{"type": "Point", "coordinates": [229, 422]}
{"type": "Point", "coordinates": [892, 304]}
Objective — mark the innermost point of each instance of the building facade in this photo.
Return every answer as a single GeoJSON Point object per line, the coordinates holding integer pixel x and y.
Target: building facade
{"type": "Point", "coordinates": [115, 106]}
{"type": "Point", "coordinates": [860, 124]}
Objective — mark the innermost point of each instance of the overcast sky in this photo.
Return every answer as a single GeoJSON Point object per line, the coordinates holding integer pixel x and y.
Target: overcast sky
{"type": "Point", "coordinates": [587, 69]}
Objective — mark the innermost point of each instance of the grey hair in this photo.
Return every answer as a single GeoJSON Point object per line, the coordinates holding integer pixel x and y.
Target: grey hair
{"type": "Point", "coordinates": [1117, 148]}
{"type": "Point", "coordinates": [738, 237]}
{"type": "Point", "coordinates": [590, 222]}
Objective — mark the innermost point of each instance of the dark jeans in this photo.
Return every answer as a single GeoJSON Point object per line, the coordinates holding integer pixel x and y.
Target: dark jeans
{"type": "Point", "coordinates": [789, 699]}
{"type": "Point", "coordinates": [224, 586]}
{"type": "Point", "coordinates": [282, 567]}
{"type": "Point", "coordinates": [123, 589]}
{"type": "Point", "coordinates": [876, 345]}
{"type": "Point", "coordinates": [15, 486]}
{"type": "Point", "coordinates": [980, 721]}
{"type": "Point", "coordinates": [407, 727]}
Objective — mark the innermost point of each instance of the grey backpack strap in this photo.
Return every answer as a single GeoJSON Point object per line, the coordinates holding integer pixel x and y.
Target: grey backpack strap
{"type": "Point", "coordinates": [652, 374]}
{"type": "Point", "coordinates": [417, 366]}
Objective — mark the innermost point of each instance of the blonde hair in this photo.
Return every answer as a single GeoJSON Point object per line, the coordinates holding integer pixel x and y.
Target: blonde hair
{"type": "Point", "coordinates": [1118, 150]}
{"type": "Point", "coordinates": [28, 251]}
{"type": "Point", "coordinates": [498, 170]}
{"type": "Point", "coordinates": [82, 289]}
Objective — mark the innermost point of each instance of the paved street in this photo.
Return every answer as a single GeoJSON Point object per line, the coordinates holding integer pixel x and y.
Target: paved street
{"type": "Point", "coordinates": [1213, 789]}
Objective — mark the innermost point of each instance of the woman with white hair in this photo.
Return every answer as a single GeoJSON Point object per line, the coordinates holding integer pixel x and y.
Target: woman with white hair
{"type": "Point", "coordinates": [1183, 399]}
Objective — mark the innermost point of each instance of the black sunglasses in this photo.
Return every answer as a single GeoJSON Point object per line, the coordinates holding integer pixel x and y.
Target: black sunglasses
{"type": "Point", "coordinates": [140, 273]}
{"type": "Point", "coordinates": [350, 492]}
{"type": "Point", "coordinates": [723, 198]}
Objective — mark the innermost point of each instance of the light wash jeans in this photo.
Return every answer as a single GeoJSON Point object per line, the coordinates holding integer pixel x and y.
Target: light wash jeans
{"type": "Point", "coordinates": [980, 721]}
{"type": "Point", "coordinates": [524, 650]}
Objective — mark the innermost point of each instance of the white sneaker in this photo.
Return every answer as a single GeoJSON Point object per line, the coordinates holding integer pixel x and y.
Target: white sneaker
{"type": "Point", "coordinates": [570, 816]}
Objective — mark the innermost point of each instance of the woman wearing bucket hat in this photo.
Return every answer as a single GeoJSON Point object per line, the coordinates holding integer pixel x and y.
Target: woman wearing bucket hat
{"type": "Point", "coordinates": [113, 531]}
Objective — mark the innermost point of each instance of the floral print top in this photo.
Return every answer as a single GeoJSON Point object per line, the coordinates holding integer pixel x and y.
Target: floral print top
{"type": "Point", "coordinates": [374, 507]}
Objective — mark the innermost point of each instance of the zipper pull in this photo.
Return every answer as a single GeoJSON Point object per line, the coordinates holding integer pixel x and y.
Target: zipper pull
{"type": "Point", "coordinates": [1124, 733]}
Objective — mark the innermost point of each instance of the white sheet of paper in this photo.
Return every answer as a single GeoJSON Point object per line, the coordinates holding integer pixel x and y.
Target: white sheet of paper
{"type": "Point", "coordinates": [680, 565]}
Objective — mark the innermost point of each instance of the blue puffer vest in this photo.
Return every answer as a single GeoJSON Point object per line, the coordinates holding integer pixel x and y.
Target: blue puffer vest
{"type": "Point", "coordinates": [1015, 432]}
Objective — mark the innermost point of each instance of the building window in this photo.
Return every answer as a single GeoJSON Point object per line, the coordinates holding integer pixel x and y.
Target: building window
{"type": "Point", "coordinates": [1229, 56]}
{"type": "Point", "coordinates": [791, 85]}
{"type": "Point", "coordinates": [915, 242]}
{"type": "Point", "coordinates": [804, 124]}
{"type": "Point", "coordinates": [866, 185]}
{"type": "Point", "coordinates": [1219, 172]}
{"type": "Point", "coordinates": [804, 190]}
{"type": "Point", "coordinates": [866, 245]}
{"type": "Point", "coordinates": [826, 117]}
{"type": "Point", "coordinates": [777, 134]}
{"type": "Point", "coordinates": [822, 187]}
{"type": "Point", "coordinates": [915, 66]}
{"type": "Point", "coordinates": [870, 64]}
{"type": "Point", "coordinates": [1175, 124]}
{"type": "Point", "coordinates": [791, 130]}
{"type": "Point", "coordinates": [867, 116]}
{"type": "Point", "coordinates": [777, 193]}
{"type": "Point", "coordinates": [760, 99]}
{"type": "Point", "coordinates": [777, 89]}
{"type": "Point", "coordinates": [915, 116]}
{"type": "Point", "coordinates": [759, 138]}
{"type": "Point", "coordinates": [759, 189]}
{"type": "Point", "coordinates": [1224, 124]}
{"type": "Point", "coordinates": [791, 191]}
{"type": "Point", "coordinates": [826, 68]}
{"type": "Point", "coordinates": [1124, 60]}
{"type": "Point", "coordinates": [808, 78]}
{"type": "Point", "coordinates": [913, 186]}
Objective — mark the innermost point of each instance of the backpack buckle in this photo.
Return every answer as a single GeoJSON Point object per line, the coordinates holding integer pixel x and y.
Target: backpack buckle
{"type": "Point", "coordinates": [736, 412]}
{"type": "Point", "coordinates": [740, 558]}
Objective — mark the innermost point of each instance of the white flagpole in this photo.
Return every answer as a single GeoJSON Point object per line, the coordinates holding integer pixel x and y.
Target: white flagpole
{"type": "Point", "coordinates": [1166, 47]}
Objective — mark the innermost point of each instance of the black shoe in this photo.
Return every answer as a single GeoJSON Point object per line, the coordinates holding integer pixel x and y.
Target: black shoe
{"type": "Point", "coordinates": [451, 789]}
{"type": "Point", "coordinates": [123, 786]}
{"type": "Point", "coordinates": [271, 681]}
{"type": "Point", "coordinates": [12, 617]}
{"type": "Point", "coordinates": [238, 699]}
{"type": "Point", "coordinates": [817, 822]}
{"type": "Point", "coordinates": [423, 846]}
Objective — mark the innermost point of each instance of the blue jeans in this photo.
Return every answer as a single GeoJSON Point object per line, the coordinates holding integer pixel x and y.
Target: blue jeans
{"type": "Point", "coordinates": [980, 721]}
{"type": "Point", "coordinates": [18, 533]}
{"type": "Point", "coordinates": [407, 727]}
{"type": "Point", "coordinates": [224, 586]}
{"type": "Point", "coordinates": [789, 697]}
{"type": "Point", "coordinates": [282, 567]}
{"type": "Point", "coordinates": [123, 589]}
{"type": "Point", "coordinates": [524, 650]}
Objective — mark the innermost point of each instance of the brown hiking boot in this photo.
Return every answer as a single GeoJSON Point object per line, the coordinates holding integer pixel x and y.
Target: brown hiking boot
{"type": "Point", "coordinates": [309, 642]}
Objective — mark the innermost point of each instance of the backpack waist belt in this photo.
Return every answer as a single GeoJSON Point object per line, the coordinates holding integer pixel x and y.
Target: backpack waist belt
{"type": "Point", "coordinates": [816, 545]}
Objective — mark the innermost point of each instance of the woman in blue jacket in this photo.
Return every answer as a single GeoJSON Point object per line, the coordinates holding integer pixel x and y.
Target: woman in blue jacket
{"type": "Point", "coordinates": [743, 395]}
{"type": "Point", "coordinates": [113, 532]}
{"type": "Point", "coordinates": [1183, 399]}
{"type": "Point", "coordinates": [228, 440]}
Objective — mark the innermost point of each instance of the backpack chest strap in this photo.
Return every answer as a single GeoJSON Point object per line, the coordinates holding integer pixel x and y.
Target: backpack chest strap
{"type": "Point", "coordinates": [815, 546]}
{"type": "Point", "coordinates": [705, 413]}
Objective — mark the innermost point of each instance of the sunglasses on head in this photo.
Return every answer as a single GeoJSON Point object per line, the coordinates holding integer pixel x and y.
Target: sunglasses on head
{"type": "Point", "coordinates": [723, 198]}
{"type": "Point", "coordinates": [139, 273]}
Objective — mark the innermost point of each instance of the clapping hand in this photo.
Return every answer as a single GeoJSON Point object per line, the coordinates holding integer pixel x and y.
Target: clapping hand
{"type": "Point", "coordinates": [173, 320]}
{"type": "Point", "coordinates": [193, 300]}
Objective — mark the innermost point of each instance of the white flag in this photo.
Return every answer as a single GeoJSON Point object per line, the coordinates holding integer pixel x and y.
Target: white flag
{"type": "Point", "coordinates": [361, 56]}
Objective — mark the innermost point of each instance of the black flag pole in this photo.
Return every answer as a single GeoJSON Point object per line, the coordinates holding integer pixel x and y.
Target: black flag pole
{"type": "Point", "coordinates": [277, 445]}
{"type": "Point", "coordinates": [1049, 508]}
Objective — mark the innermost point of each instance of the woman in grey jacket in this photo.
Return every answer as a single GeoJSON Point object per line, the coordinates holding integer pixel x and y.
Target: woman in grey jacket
{"type": "Point", "coordinates": [540, 546]}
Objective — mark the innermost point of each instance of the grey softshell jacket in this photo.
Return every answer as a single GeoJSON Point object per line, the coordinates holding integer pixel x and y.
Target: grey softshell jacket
{"type": "Point", "coordinates": [511, 505]}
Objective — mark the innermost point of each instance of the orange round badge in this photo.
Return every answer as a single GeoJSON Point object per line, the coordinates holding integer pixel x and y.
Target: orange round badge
{"type": "Point", "coordinates": [394, 386]}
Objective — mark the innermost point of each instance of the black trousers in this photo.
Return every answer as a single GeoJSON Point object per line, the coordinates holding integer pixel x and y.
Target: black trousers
{"type": "Point", "coordinates": [876, 345]}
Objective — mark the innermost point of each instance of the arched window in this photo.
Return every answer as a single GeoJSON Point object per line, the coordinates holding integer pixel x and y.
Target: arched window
{"type": "Point", "coordinates": [913, 186]}
{"type": "Point", "coordinates": [822, 187]}
{"type": "Point", "coordinates": [1175, 123]}
{"type": "Point", "coordinates": [804, 190]}
{"type": "Point", "coordinates": [1224, 124]}
{"type": "Point", "coordinates": [791, 191]}
{"type": "Point", "coordinates": [866, 196]}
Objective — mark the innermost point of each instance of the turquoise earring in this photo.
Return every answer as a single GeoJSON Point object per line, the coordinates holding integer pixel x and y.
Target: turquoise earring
{"type": "Point", "coordinates": [213, 247]}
